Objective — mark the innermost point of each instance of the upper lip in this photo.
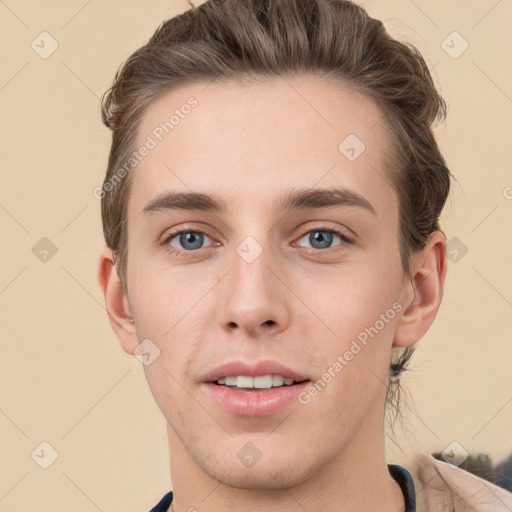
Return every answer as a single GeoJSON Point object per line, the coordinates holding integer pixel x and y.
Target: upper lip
{"type": "Point", "coordinates": [267, 367]}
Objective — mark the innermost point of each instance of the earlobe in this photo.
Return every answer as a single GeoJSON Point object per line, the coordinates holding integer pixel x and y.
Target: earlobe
{"type": "Point", "coordinates": [422, 295]}
{"type": "Point", "coordinates": [116, 301]}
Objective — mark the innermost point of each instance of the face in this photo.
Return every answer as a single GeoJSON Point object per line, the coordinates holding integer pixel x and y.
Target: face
{"type": "Point", "coordinates": [282, 279]}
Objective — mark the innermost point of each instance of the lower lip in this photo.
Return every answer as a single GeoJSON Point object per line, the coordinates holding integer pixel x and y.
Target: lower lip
{"type": "Point", "coordinates": [254, 403]}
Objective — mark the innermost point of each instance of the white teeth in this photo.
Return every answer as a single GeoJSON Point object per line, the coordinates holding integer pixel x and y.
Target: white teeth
{"type": "Point", "coordinates": [244, 382]}
{"type": "Point", "coordinates": [259, 382]}
{"type": "Point", "coordinates": [263, 382]}
{"type": "Point", "coordinates": [277, 380]}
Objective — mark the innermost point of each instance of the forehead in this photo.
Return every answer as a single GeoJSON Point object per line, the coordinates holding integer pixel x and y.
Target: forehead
{"type": "Point", "coordinates": [245, 142]}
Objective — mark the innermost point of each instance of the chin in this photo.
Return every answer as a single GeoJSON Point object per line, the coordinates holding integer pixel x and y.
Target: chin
{"type": "Point", "coordinates": [260, 479]}
{"type": "Point", "coordinates": [267, 473]}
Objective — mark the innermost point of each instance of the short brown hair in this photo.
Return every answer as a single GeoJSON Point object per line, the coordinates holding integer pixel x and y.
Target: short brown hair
{"type": "Point", "coordinates": [224, 40]}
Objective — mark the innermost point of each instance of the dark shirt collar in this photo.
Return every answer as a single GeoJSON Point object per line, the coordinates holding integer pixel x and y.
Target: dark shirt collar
{"type": "Point", "coordinates": [406, 483]}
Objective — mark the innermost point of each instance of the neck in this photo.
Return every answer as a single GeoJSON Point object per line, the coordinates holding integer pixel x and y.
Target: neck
{"type": "Point", "coordinates": [355, 479]}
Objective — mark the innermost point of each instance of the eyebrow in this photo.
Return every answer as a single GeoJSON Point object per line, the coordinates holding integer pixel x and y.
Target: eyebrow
{"type": "Point", "coordinates": [294, 199]}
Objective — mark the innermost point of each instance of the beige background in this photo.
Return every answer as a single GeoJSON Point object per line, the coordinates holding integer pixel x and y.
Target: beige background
{"type": "Point", "coordinates": [65, 379]}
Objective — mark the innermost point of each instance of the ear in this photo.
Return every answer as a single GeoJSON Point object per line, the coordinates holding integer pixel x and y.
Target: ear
{"type": "Point", "coordinates": [116, 301]}
{"type": "Point", "coordinates": [422, 294]}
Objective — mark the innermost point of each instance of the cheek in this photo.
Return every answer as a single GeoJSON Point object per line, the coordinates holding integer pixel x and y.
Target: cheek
{"type": "Point", "coordinates": [173, 400]}
{"type": "Point", "coordinates": [344, 302]}
{"type": "Point", "coordinates": [353, 338]}
{"type": "Point", "coordinates": [162, 295]}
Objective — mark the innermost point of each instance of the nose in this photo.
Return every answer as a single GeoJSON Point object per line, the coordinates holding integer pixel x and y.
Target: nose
{"type": "Point", "coordinates": [253, 298]}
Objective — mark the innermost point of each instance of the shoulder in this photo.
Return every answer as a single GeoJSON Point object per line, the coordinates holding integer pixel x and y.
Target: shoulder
{"type": "Point", "coordinates": [444, 487]}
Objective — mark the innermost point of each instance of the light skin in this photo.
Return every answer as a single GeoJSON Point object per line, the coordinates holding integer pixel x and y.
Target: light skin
{"type": "Point", "coordinates": [249, 145]}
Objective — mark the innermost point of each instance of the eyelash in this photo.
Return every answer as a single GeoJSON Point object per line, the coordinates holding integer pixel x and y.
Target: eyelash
{"type": "Point", "coordinates": [327, 229]}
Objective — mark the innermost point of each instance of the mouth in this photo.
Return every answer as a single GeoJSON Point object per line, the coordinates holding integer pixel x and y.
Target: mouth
{"type": "Point", "coordinates": [249, 390]}
{"type": "Point", "coordinates": [260, 375]}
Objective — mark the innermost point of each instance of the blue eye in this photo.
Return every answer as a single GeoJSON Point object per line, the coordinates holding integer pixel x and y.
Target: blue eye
{"type": "Point", "coordinates": [189, 240]}
{"type": "Point", "coordinates": [322, 239]}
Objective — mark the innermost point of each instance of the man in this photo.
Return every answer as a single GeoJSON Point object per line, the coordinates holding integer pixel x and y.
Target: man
{"type": "Point", "coordinates": [273, 251]}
